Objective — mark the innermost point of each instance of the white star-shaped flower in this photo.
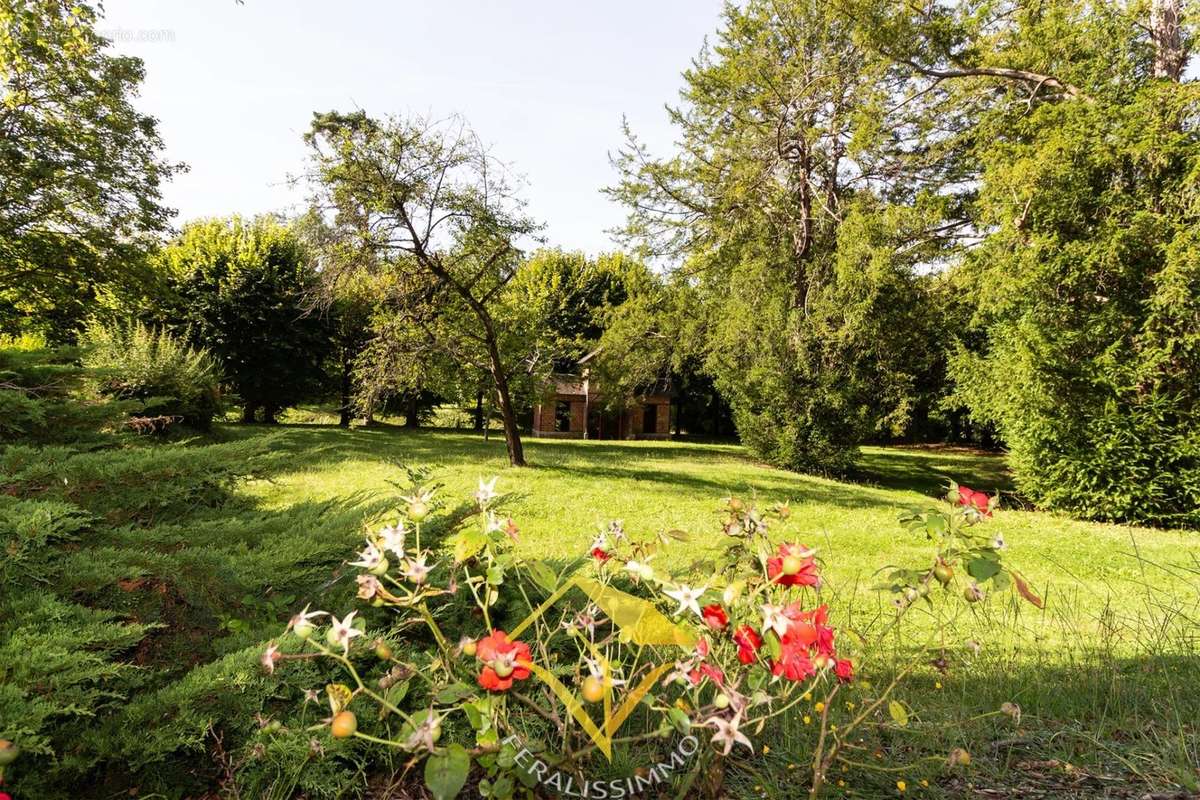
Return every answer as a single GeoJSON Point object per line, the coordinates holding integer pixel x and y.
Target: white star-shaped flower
{"type": "Point", "coordinates": [342, 631]}
{"type": "Point", "coordinates": [687, 597]}
{"type": "Point", "coordinates": [416, 570]}
{"type": "Point", "coordinates": [370, 557]}
{"type": "Point", "coordinates": [681, 673]}
{"type": "Point", "coordinates": [486, 492]}
{"type": "Point", "coordinates": [727, 733]}
{"type": "Point", "coordinates": [600, 542]}
{"type": "Point", "coordinates": [303, 620]}
{"type": "Point", "coordinates": [774, 619]}
{"type": "Point", "coordinates": [391, 538]}
{"type": "Point", "coordinates": [493, 524]}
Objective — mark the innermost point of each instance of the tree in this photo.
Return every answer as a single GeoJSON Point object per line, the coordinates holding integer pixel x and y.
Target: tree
{"type": "Point", "coordinates": [80, 167]}
{"type": "Point", "coordinates": [782, 203]}
{"type": "Point", "coordinates": [239, 290]}
{"type": "Point", "coordinates": [426, 203]}
{"type": "Point", "coordinates": [1082, 157]}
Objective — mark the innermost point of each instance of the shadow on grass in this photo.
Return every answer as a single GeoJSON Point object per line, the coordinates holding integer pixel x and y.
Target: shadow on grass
{"type": "Point", "coordinates": [928, 469]}
{"type": "Point", "coordinates": [684, 466]}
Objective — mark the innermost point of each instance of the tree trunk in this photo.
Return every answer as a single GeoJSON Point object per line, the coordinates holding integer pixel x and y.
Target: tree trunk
{"type": "Point", "coordinates": [248, 411]}
{"type": "Point", "coordinates": [269, 413]}
{"type": "Point", "coordinates": [411, 418]}
{"type": "Point", "coordinates": [1166, 30]}
{"type": "Point", "coordinates": [479, 411]}
{"type": "Point", "coordinates": [344, 412]}
{"type": "Point", "coordinates": [512, 435]}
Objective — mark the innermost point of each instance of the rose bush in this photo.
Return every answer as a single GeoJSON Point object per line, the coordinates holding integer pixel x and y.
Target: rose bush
{"type": "Point", "coordinates": [678, 658]}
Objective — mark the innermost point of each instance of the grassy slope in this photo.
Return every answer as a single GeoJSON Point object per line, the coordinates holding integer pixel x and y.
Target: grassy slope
{"type": "Point", "coordinates": [1095, 673]}
{"type": "Point", "coordinates": [574, 486]}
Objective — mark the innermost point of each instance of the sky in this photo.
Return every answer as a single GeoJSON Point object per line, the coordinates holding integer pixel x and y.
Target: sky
{"type": "Point", "coordinates": [545, 83]}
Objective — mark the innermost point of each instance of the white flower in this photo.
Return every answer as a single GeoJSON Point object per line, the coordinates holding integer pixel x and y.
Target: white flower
{"type": "Point", "coordinates": [727, 733]}
{"type": "Point", "coordinates": [616, 529]}
{"type": "Point", "coordinates": [416, 570]}
{"type": "Point", "coordinates": [392, 538]}
{"type": "Point", "coordinates": [341, 632]}
{"type": "Point", "coordinates": [302, 622]}
{"type": "Point", "coordinates": [585, 620]}
{"type": "Point", "coordinates": [269, 658]}
{"type": "Point", "coordinates": [370, 557]}
{"type": "Point", "coordinates": [774, 619]}
{"type": "Point", "coordinates": [687, 597]}
{"type": "Point", "coordinates": [681, 673]}
{"type": "Point", "coordinates": [368, 587]}
{"type": "Point", "coordinates": [493, 524]}
{"type": "Point", "coordinates": [600, 542]}
{"type": "Point", "coordinates": [998, 542]}
{"type": "Point", "coordinates": [486, 492]}
{"type": "Point", "coordinates": [425, 735]}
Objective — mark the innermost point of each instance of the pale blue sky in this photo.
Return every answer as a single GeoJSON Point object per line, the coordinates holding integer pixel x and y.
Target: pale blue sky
{"type": "Point", "coordinates": [544, 82]}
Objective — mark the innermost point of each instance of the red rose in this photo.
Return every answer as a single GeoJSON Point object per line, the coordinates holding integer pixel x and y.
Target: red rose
{"type": "Point", "coordinates": [844, 669]}
{"type": "Point", "coordinates": [748, 642]}
{"type": "Point", "coordinates": [793, 565]}
{"type": "Point", "coordinates": [600, 555]}
{"type": "Point", "coordinates": [715, 617]}
{"type": "Point", "coordinates": [969, 498]}
{"type": "Point", "coordinates": [504, 661]}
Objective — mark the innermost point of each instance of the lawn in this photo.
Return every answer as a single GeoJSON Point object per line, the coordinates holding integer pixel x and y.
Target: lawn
{"type": "Point", "coordinates": [1105, 675]}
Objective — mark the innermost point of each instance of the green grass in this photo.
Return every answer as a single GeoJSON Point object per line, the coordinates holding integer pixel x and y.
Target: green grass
{"type": "Point", "coordinates": [1104, 675]}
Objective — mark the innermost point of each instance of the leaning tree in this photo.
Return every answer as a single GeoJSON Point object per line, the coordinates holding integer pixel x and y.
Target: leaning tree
{"type": "Point", "coordinates": [426, 204]}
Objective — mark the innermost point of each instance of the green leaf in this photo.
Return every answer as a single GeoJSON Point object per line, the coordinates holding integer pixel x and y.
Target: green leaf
{"type": "Point", "coordinates": [454, 693]}
{"type": "Point", "coordinates": [495, 575]}
{"type": "Point", "coordinates": [446, 772]}
{"type": "Point", "coordinates": [394, 695]}
{"type": "Point", "coordinates": [467, 543]}
{"type": "Point", "coordinates": [898, 714]}
{"type": "Point", "coordinates": [543, 575]}
{"type": "Point", "coordinates": [981, 569]}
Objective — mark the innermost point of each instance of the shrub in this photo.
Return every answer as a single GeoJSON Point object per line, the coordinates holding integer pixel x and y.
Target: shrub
{"type": "Point", "coordinates": [173, 379]}
{"type": "Point", "coordinates": [511, 695]}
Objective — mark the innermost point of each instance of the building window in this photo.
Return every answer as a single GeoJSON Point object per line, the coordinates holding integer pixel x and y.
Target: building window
{"type": "Point", "coordinates": [650, 418]}
{"type": "Point", "coordinates": [562, 416]}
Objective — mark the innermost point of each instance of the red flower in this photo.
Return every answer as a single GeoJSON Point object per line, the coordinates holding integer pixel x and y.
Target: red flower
{"type": "Point", "coordinates": [811, 628]}
{"type": "Point", "coordinates": [748, 642]}
{"type": "Point", "coordinates": [504, 661]}
{"type": "Point", "coordinates": [844, 669]}
{"type": "Point", "coordinates": [979, 501]}
{"type": "Point", "coordinates": [715, 617]}
{"type": "Point", "coordinates": [793, 662]}
{"type": "Point", "coordinates": [600, 555]}
{"type": "Point", "coordinates": [793, 565]}
{"type": "Point", "coordinates": [706, 670]}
